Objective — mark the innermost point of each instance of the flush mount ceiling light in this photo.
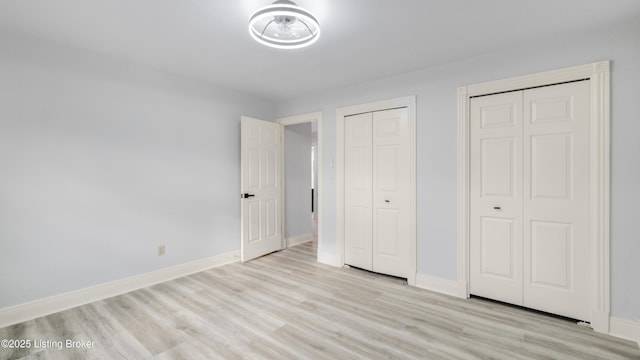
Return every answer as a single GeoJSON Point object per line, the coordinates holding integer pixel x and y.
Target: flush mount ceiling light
{"type": "Point", "coordinates": [284, 25]}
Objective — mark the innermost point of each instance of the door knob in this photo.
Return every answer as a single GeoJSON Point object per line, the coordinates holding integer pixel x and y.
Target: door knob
{"type": "Point", "coordinates": [387, 201]}
{"type": "Point", "coordinates": [497, 208]}
{"type": "Point", "coordinates": [247, 195]}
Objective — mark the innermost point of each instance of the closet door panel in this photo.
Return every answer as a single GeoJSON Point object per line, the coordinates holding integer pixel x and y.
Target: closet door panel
{"type": "Point", "coordinates": [497, 245]}
{"type": "Point", "coordinates": [496, 197]}
{"type": "Point", "coordinates": [390, 197]}
{"type": "Point", "coordinates": [358, 189]}
{"type": "Point", "coordinates": [387, 230]}
{"type": "Point", "coordinates": [556, 207]}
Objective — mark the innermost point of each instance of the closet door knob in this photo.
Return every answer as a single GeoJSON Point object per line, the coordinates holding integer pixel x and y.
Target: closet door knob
{"type": "Point", "coordinates": [387, 201]}
{"type": "Point", "coordinates": [497, 208]}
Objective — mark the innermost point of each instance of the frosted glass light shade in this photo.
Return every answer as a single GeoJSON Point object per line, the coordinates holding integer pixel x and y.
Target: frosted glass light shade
{"type": "Point", "coordinates": [284, 25]}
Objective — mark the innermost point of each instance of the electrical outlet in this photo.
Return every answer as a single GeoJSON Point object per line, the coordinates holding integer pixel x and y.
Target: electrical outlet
{"type": "Point", "coordinates": [161, 250]}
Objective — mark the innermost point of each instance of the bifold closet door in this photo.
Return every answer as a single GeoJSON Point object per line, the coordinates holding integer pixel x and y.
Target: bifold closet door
{"type": "Point", "coordinates": [391, 182]}
{"type": "Point", "coordinates": [556, 212]}
{"type": "Point", "coordinates": [358, 186]}
{"type": "Point", "coordinates": [377, 181]}
{"type": "Point", "coordinates": [529, 192]}
{"type": "Point", "coordinates": [496, 197]}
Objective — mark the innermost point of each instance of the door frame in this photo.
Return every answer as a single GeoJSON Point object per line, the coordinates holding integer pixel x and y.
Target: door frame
{"type": "Point", "coordinates": [410, 103]}
{"type": "Point", "coordinates": [302, 119]}
{"type": "Point", "coordinates": [599, 180]}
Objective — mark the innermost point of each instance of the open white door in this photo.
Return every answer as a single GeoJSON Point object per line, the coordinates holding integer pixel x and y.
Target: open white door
{"type": "Point", "coordinates": [261, 188]}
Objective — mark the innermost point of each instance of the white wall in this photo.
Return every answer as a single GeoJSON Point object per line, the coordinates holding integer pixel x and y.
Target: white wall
{"type": "Point", "coordinates": [101, 161]}
{"type": "Point", "coordinates": [298, 141]}
{"type": "Point", "coordinates": [436, 143]}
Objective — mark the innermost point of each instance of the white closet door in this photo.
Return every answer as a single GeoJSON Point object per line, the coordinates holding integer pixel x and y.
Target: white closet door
{"type": "Point", "coordinates": [529, 187]}
{"type": "Point", "coordinates": [556, 211]}
{"type": "Point", "coordinates": [391, 202]}
{"type": "Point", "coordinates": [358, 210]}
{"type": "Point", "coordinates": [496, 197]}
{"type": "Point", "coordinates": [377, 189]}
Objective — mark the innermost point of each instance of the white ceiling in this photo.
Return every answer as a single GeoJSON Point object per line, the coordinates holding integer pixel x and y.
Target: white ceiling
{"type": "Point", "coordinates": [361, 39]}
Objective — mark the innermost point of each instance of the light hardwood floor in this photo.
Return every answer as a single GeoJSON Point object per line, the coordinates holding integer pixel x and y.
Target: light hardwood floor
{"type": "Point", "coordinates": [287, 306]}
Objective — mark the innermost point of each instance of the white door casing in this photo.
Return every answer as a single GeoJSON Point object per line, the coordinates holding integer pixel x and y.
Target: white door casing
{"type": "Point", "coordinates": [344, 113]}
{"type": "Point", "coordinates": [315, 117]}
{"type": "Point", "coordinates": [261, 188]}
{"type": "Point", "coordinates": [599, 175]}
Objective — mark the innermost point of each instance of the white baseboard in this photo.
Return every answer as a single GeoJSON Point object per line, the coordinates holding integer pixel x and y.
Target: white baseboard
{"type": "Point", "coordinates": [53, 304]}
{"type": "Point", "coordinates": [329, 259]}
{"type": "Point", "coordinates": [443, 286]}
{"type": "Point", "coordinates": [600, 321]}
{"type": "Point", "coordinates": [411, 279]}
{"type": "Point", "coordinates": [463, 289]}
{"type": "Point", "coordinates": [625, 329]}
{"type": "Point", "coordinates": [299, 239]}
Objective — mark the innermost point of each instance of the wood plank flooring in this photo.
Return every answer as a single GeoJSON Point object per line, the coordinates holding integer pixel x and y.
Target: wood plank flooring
{"type": "Point", "coordinates": [287, 306]}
